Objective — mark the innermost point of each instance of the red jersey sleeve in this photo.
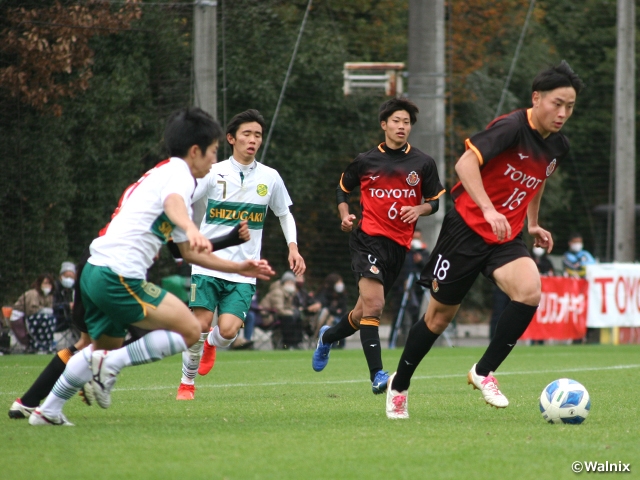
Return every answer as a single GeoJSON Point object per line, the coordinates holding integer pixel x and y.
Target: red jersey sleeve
{"type": "Point", "coordinates": [350, 178]}
{"type": "Point", "coordinates": [431, 186]}
{"type": "Point", "coordinates": [500, 135]}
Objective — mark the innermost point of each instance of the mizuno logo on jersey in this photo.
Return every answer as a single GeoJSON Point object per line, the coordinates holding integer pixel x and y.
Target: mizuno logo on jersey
{"type": "Point", "coordinates": [522, 157]}
{"type": "Point", "coordinates": [374, 177]}
{"type": "Point", "coordinates": [230, 213]}
{"type": "Point", "coordinates": [222, 176]}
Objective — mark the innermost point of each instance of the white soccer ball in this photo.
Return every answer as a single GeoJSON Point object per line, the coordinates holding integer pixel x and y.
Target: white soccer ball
{"type": "Point", "coordinates": [565, 401]}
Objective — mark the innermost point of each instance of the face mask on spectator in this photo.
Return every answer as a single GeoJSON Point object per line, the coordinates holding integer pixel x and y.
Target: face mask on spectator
{"type": "Point", "coordinates": [339, 287]}
{"type": "Point", "coordinates": [46, 290]}
{"type": "Point", "coordinates": [67, 282]}
{"type": "Point", "coordinates": [538, 251]}
{"type": "Point", "coordinates": [576, 247]}
{"type": "Point", "coordinates": [416, 244]}
{"type": "Point", "coordinates": [289, 287]}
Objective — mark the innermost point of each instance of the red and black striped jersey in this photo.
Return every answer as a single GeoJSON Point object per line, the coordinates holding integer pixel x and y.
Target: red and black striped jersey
{"type": "Point", "coordinates": [515, 160]}
{"type": "Point", "coordinates": [388, 180]}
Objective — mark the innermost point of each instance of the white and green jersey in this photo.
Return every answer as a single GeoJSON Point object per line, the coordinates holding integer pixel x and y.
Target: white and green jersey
{"type": "Point", "coordinates": [139, 227]}
{"type": "Point", "coordinates": [235, 192]}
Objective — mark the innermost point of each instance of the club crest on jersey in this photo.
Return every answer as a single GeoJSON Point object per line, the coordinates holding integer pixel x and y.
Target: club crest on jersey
{"type": "Point", "coordinates": [262, 189]}
{"type": "Point", "coordinates": [551, 167]}
{"type": "Point", "coordinates": [375, 270]}
{"type": "Point", "coordinates": [413, 179]}
{"type": "Point", "coordinates": [434, 286]}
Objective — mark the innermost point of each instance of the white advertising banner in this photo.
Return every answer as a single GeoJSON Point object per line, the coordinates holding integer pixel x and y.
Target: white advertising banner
{"type": "Point", "coordinates": [614, 295]}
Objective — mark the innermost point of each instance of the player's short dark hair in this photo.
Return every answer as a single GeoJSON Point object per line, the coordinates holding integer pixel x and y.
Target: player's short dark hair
{"type": "Point", "coordinates": [190, 126]}
{"type": "Point", "coordinates": [557, 76]}
{"type": "Point", "coordinates": [247, 116]}
{"type": "Point", "coordinates": [396, 104]}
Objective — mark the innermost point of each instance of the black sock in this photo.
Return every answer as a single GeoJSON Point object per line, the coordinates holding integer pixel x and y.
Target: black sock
{"type": "Point", "coordinates": [513, 322]}
{"type": "Point", "coordinates": [419, 342]}
{"type": "Point", "coordinates": [342, 330]}
{"type": "Point", "coordinates": [47, 379]}
{"type": "Point", "coordinates": [370, 339]}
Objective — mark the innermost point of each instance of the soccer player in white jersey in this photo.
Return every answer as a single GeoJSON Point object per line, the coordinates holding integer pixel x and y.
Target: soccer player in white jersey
{"type": "Point", "coordinates": [236, 189]}
{"type": "Point", "coordinates": [114, 290]}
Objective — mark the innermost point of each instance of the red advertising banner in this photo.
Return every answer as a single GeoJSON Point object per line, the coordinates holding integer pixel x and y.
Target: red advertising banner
{"type": "Point", "coordinates": [562, 314]}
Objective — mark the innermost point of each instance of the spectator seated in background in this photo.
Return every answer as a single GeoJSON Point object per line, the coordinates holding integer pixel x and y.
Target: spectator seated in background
{"type": "Point", "coordinates": [574, 262]}
{"type": "Point", "coordinates": [306, 304]}
{"type": "Point", "coordinates": [333, 300]}
{"type": "Point", "coordinates": [63, 296]}
{"type": "Point", "coordinates": [576, 259]}
{"type": "Point", "coordinates": [34, 310]}
{"type": "Point", "coordinates": [545, 267]}
{"type": "Point", "coordinates": [279, 303]}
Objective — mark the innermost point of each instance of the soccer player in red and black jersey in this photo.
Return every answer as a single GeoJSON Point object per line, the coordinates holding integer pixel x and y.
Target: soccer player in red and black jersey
{"type": "Point", "coordinates": [502, 177]}
{"type": "Point", "coordinates": [398, 183]}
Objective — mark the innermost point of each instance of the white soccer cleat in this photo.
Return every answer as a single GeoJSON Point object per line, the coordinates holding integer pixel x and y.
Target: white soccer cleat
{"type": "Point", "coordinates": [87, 394]}
{"type": "Point", "coordinates": [397, 402]}
{"type": "Point", "coordinates": [104, 378]}
{"type": "Point", "coordinates": [488, 386]}
{"type": "Point", "coordinates": [37, 418]}
{"type": "Point", "coordinates": [18, 410]}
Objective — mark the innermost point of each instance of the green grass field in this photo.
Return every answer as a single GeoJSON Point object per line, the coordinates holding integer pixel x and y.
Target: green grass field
{"type": "Point", "coordinates": [269, 415]}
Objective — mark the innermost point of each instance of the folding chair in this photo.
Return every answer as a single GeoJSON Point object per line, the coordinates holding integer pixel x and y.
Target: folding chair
{"type": "Point", "coordinates": [17, 330]}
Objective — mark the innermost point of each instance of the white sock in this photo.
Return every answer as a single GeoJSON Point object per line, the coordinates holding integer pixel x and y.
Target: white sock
{"type": "Point", "coordinates": [191, 360]}
{"type": "Point", "coordinates": [152, 347]}
{"type": "Point", "coordinates": [218, 340]}
{"type": "Point", "coordinates": [75, 375]}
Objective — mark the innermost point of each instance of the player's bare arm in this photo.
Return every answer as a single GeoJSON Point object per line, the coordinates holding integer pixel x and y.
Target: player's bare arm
{"type": "Point", "coordinates": [468, 170]}
{"type": "Point", "coordinates": [176, 210]}
{"type": "Point", "coordinates": [346, 224]}
{"type": "Point", "coordinates": [410, 214]}
{"type": "Point", "coordinates": [249, 268]}
{"type": "Point", "coordinates": [296, 262]}
{"type": "Point", "coordinates": [542, 238]}
{"type": "Point", "coordinates": [243, 233]}
{"type": "Point", "coordinates": [288, 224]}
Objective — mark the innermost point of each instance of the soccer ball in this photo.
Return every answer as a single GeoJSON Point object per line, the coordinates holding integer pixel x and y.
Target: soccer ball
{"type": "Point", "coordinates": [565, 401]}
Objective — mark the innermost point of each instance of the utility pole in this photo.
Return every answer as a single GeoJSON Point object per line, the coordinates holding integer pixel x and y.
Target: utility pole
{"type": "Point", "coordinates": [426, 88]}
{"type": "Point", "coordinates": [205, 49]}
{"type": "Point", "coordinates": [625, 135]}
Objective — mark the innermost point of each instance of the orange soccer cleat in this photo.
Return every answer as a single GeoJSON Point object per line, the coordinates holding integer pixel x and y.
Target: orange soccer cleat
{"type": "Point", "coordinates": [186, 392]}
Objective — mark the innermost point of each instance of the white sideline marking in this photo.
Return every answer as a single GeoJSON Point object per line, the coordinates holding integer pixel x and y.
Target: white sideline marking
{"type": "Point", "coordinates": [340, 382]}
{"type": "Point", "coordinates": [417, 377]}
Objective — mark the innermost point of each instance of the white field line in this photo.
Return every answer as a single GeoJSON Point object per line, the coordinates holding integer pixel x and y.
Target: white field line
{"type": "Point", "coordinates": [340, 382]}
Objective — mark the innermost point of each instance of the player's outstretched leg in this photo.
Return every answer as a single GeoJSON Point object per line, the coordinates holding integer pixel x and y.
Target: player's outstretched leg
{"type": "Point", "coordinates": [106, 365]}
{"type": "Point", "coordinates": [75, 375]}
{"type": "Point", "coordinates": [321, 353]}
{"type": "Point", "coordinates": [397, 402]}
{"type": "Point", "coordinates": [513, 322]}
{"type": "Point", "coordinates": [190, 361]}
{"type": "Point", "coordinates": [26, 404]}
{"type": "Point", "coordinates": [370, 339]}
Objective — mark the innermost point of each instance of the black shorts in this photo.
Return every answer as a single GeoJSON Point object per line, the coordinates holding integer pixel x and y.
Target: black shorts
{"type": "Point", "coordinates": [460, 255]}
{"type": "Point", "coordinates": [376, 257]}
{"type": "Point", "coordinates": [77, 315]}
